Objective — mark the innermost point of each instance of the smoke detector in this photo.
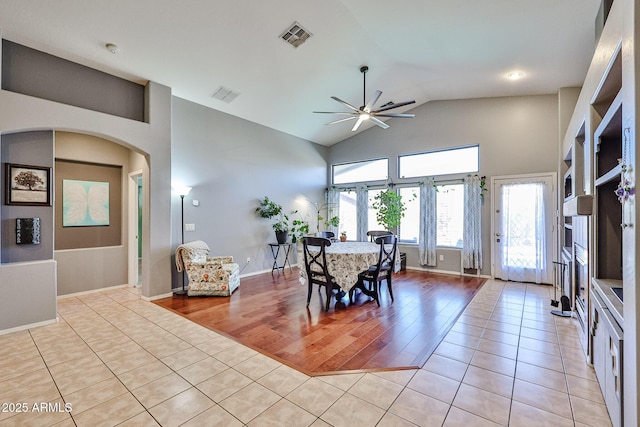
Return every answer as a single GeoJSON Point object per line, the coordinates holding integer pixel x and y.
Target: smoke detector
{"type": "Point", "coordinates": [112, 48]}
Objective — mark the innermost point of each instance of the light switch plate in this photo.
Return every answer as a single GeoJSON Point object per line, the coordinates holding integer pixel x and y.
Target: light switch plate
{"type": "Point", "coordinates": [196, 203]}
{"type": "Point", "coordinates": [189, 227]}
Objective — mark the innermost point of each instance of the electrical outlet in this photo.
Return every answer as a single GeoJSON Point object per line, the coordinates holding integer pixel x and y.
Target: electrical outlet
{"type": "Point", "coordinates": [189, 227]}
{"type": "Point", "coordinates": [441, 258]}
{"type": "Point", "coordinates": [248, 260]}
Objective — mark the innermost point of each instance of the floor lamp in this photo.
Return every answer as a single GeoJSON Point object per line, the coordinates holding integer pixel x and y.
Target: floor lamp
{"type": "Point", "coordinates": [182, 191]}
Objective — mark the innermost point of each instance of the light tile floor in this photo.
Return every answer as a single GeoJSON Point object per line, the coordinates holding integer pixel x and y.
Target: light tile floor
{"type": "Point", "coordinates": [115, 359]}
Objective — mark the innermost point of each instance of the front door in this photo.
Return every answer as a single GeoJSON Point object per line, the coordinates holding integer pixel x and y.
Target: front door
{"type": "Point", "coordinates": [524, 228]}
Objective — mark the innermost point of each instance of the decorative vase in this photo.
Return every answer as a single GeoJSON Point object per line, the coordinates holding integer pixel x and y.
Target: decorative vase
{"type": "Point", "coordinates": [282, 236]}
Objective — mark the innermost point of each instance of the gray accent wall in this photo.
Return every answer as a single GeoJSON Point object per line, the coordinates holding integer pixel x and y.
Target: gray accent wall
{"type": "Point", "coordinates": [28, 294]}
{"type": "Point", "coordinates": [35, 73]}
{"type": "Point", "coordinates": [33, 149]}
{"type": "Point", "coordinates": [516, 135]}
{"type": "Point", "coordinates": [231, 163]}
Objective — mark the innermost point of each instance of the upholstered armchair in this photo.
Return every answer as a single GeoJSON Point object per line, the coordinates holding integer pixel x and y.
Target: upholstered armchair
{"type": "Point", "coordinates": [215, 276]}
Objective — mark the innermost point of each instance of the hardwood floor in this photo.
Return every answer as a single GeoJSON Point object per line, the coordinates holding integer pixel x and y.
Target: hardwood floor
{"type": "Point", "coordinates": [268, 313]}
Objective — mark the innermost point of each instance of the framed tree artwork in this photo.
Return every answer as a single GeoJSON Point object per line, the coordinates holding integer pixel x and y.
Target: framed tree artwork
{"type": "Point", "coordinates": [27, 185]}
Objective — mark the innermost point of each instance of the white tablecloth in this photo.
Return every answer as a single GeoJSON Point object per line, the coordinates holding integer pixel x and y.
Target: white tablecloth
{"type": "Point", "coordinates": [345, 260]}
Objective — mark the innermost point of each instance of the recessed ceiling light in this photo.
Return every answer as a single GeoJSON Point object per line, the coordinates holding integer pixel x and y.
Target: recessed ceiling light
{"type": "Point", "coordinates": [515, 75]}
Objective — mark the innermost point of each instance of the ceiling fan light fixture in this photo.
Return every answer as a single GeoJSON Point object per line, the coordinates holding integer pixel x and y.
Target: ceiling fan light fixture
{"type": "Point", "coordinates": [367, 112]}
{"type": "Point", "coordinates": [515, 75]}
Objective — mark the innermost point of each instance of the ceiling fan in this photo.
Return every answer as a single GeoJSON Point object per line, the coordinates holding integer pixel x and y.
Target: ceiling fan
{"type": "Point", "coordinates": [366, 112]}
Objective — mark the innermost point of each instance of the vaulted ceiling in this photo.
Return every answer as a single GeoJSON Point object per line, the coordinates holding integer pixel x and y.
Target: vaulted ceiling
{"type": "Point", "coordinates": [415, 49]}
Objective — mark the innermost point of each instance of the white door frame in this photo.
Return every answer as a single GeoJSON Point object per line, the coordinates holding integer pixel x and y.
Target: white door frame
{"type": "Point", "coordinates": [132, 238]}
{"type": "Point", "coordinates": [554, 200]}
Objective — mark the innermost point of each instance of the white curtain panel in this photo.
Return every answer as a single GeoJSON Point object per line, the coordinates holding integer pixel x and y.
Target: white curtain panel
{"type": "Point", "coordinates": [428, 223]}
{"type": "Point", "coordinates": [333, 208]}
{"type": "Point", "coordinates": [362, 211]}
{"type": "Point", "coordinates": [472, 233]}
{"type": "Point", "coordinates": [523, 238]}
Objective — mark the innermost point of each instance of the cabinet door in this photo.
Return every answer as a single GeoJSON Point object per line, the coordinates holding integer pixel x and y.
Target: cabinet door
{"type": "Point", "coordinates": [598, 342]}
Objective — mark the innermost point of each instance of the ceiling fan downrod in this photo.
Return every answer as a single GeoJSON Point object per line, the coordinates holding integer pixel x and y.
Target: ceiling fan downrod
{"type": "Point", "coordinates": [364, 70]}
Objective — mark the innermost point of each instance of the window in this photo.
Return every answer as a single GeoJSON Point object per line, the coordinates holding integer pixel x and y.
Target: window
{"type": "Point", "coordinates": [370, 170]}
{"type": "Point", "coordinates": [410, 224]}
{"type": "Point", "coordinates": [348, 214]}
{"type": "Point", "coordinates": [444, 162]}
{"type": "Point", "coordinates": [373, 223]}
{"type": "Point", "coordinates": [450, 215]}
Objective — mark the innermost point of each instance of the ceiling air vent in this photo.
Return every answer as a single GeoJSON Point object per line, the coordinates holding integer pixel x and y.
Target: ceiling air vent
{"type": "Point", "coordinates": [295, 35]}
{"type": "Point", "coordinates": [224, 94]}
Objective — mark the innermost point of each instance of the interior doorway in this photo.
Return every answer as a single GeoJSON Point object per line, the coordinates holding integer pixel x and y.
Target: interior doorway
{"type": "Point", "coordinates": [135, 228]}
{"type": "Point", "coordinates": [524, 228]}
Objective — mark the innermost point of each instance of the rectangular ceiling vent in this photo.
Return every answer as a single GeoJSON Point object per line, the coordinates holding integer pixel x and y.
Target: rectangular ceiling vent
{"type": "Point", "coordinates": [224, 94]}
{"type": "Point", "coordinates": [295, 35]}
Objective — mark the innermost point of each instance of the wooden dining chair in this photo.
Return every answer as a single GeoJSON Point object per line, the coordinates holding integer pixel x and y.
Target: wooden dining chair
{"type": "Point", "coordinates": [383, 270]}
{"type": "Point", "coordinates": [373, 234]}
{"type": "Point", "coordinates": [315, 263]}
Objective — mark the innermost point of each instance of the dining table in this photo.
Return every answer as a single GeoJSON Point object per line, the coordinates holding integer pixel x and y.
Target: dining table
{"type": "Point", "coordinates": [345, 260]}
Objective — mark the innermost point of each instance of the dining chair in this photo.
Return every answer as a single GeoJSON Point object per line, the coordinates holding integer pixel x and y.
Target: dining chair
{"type": "Point", "coordinates": [373, 234]}
{"type": "Point", "coordinates": [315, 263]}
{"type": "Point", "coordinates": [383, 270]}
{"type": "Point", "coordinates": [327, 234]}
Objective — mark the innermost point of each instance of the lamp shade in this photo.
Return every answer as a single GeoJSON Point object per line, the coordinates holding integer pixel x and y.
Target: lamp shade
{"type": "Point", "coordinates": [182, 191]}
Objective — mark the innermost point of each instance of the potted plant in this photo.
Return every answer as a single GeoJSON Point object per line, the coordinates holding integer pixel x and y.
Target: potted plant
{"type": "Point", "coordinates": [299, 229]}
{"type": "Point", "coordinates": [343, 236]}
{"type": "Point", "coordinates": [332, 222]}
{"type": "Point", "coordinates": [389, 209]}
{"type": "Point", "coordinates": [269, 209]}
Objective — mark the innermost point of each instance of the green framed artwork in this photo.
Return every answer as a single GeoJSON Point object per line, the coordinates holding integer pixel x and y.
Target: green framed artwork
{"type": "Point", "coordinates": [85, 203]}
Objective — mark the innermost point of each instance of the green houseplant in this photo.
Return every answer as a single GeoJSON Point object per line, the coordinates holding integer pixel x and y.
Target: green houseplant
{"type": "Point", "coordinates": [299, 229]}
{"type": "Point", "coordinates": [268, 209]}
{"type": "Point", "coordinates": [389, 209]}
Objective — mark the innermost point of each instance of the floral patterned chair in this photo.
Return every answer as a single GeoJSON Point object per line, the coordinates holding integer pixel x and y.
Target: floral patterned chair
{"type": "Point", "coordinates": [211, 276]}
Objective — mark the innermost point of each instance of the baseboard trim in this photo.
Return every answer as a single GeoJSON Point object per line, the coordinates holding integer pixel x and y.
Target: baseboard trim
{"type": "Point", "coordinates": [453, 273]}
{"type": "Point", "coordinates": [92, 291]}
{"type": "Point", "coordinates": [155, 297]}
{"type": "Point", "coordinates": [29, 326]}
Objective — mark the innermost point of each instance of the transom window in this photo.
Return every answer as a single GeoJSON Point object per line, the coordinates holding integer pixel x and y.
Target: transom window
{"type": "Point", "coordinates": [443, 162]}
{"type": "Point", "coordinates": [365, 171]}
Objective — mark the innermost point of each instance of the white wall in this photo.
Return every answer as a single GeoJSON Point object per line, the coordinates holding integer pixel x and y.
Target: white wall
{"type": "Point", "coordinates": [231, 164]}
{"type": "Point", "coordinates": [516, 135]}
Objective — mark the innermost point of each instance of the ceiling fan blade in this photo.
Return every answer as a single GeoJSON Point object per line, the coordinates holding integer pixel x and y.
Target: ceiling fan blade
{"type": "Point", "coordinates": [392, 106]}
{"type": "Point", "coordinates": [346, 104]}
{"type": "Point", "coordinates": [342, 120]}
{"type": "Point", "coordinates": [396, 115]}
{"type": "Point", "coordinates": [380, 123]}
{"type": "Point", "coordinates": [361, 118]}
{"type": "Point", "coordinates": [372, 101]}
{"type": "Point", "coordinates": [343, 113]}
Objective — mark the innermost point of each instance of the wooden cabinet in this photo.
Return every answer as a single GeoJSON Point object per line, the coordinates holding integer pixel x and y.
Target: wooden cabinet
{"type": "Point", "coordinates": [607, 323]}
{"type": "Point", "coordinates": [607, 349]}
